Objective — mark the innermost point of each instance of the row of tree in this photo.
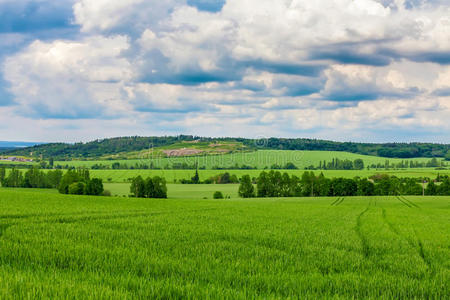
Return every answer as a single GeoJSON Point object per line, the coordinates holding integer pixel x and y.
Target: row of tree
{"type": "Point", "coordinates": [32, 178]}
{"type": "Point", "coordinates": [358, 164]}
{"type": "Point", "coordinates": [275, 184]}
{"type": "Point", "coordinates": [77, 182]}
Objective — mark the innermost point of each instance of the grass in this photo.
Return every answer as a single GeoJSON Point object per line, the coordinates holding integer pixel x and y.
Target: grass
{"type": "Point", "coordinates": [182, 191]}
{"type": "Point", "coordinates": [259, 159]}
{"type": "Point", "coordinates": [57, 246]}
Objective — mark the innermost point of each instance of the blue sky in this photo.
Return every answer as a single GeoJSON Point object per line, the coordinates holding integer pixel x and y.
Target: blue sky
{"type": "Point", "coordinates": [366, 70]}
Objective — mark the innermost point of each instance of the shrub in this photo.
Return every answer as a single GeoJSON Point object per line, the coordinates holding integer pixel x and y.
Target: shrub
{"type": "Point", "coordinates": [218, 195]}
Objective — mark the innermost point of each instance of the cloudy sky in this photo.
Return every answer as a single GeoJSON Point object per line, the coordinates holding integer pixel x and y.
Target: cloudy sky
{"type": "Point", "coordinates": [349, 70]}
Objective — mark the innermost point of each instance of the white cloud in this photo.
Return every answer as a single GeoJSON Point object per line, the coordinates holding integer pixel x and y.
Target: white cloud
{"type": "Point", "coordinates": [65, 79]}
{"type": "Point", "coordinates": [281, 66]}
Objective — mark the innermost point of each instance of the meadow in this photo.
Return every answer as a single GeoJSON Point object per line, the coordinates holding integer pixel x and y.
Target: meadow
{"type": "Point", "coordinates": [182, 191]}
{"type": "Point", "coordinates": [60, 246]}
{"type": "Point", "coordinates": [259, 159]}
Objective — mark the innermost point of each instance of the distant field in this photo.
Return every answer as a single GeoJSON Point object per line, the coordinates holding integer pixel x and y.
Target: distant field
{"type": "Point", "coordinates": [120, 176]}
{"type": "Point", "coordinates": [259, 159]}
{"type": "Point", "coordinates": [76, 247]}
{"type": "Point", "coordinates": [6, 162]}
{"type": "Point", "coordinates": [182, 191]}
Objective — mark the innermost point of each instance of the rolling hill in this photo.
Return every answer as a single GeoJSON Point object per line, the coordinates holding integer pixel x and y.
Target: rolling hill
{"type": "Point", "coordinates": [127, 147]}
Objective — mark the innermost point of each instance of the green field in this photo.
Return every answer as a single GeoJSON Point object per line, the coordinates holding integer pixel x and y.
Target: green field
{"type": "Point", "coordinates": [58, 246]}
{"type": "Point", "coordinates": [182, 191]}
{"type": "Point", "coordinates": [259, 159]}
{"type": "Point", "coordinates": [120, 176]}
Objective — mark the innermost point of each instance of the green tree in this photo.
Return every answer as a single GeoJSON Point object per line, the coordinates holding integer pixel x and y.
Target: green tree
{"type": "Point", "coordinates": [51, 162]}
{"type": "Point", "coordinates": [76, 188]}
{"type": "Point", "coordinates": [365, 187]}
{"type": "Point", "coordinates": [343, 187]}
{"type": "Point", "coordinates": [137, 188]}
{"type": "Point", "coordinates": [196, 178]}
{"type": "Point", "coordinates": [444, 188]}
{"type": "Point", "coordinates": [262, 185]}
{"type": "Point", "coordinates": [246, 188]}
{"type": "Point", "coordinates": [160, 187]}
{"type": "Point", "coordinates": [14, 179]}
{"type": "Point", "coordinates": [54, 178]}
{"type": "Point", "coordinates": [149, 188]}
{"type": "Point", "coordinates": [358, 164]}
{"type": "Point", "coordinates": [94, 187]}
{"type": "Point", "coordinates": [2, 174]}
{"type": "Point", "coordinates": [447, 156]}
{"type": "Point", "coordinates": [431, 189]}
{"type": "Point", "coordinates": [70, 177]}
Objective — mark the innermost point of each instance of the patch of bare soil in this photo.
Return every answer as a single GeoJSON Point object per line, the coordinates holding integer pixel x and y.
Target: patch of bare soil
{"type": "Point", "coordinates": [182, 152]}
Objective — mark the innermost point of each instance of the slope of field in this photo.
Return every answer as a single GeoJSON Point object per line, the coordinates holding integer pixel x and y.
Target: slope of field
{"type": "Point", "coordinates": [55, 246]}
{"type": "Point", "coordinates": [259, 159]}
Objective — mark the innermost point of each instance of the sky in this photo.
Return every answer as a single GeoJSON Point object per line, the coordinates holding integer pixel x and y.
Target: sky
{"type": "Point", "coordinates": [345, 70]}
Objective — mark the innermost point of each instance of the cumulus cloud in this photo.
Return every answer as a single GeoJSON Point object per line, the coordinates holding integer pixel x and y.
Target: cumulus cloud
{"type": "Point", "coordinates": [286, 67]}
{"type": "Point", "coordinates": [65, 79]}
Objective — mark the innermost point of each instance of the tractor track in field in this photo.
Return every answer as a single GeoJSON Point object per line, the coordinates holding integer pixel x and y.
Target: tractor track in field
{"type": "Point", "coordinates": [409, 201]}
{"type": "Point", "coordinates": [415, 243]}
{"type": "Point", "coordinates": [389, 224]}
{"type": "Point", "coordinates": [335, 201]}
{"type": "Point", "coordinates": [362, 237]}
{"type": "Point", "coordinates": [404, 202]}
{"type": "Point", "coordinates": [423, 254]}
{"type": "Point", "coordinates": [3, 228]}
{"type": "Point", "coordinates": [338, 201]}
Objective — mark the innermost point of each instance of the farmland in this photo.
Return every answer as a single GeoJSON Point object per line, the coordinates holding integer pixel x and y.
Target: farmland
{"type": "Point", "coordinates": [59, 246]}
{"type": "Point", "coordinates": [259, 159]}
{"type": "Point", "coordinates": [182, 191]}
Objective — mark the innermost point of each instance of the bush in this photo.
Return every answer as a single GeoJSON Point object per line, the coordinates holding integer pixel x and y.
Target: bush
{"type": "Point", "coordinates": [218, 195]}
{"type": "Point", "coordinates": [149, 188]}
{"type": "Point", "coordinates": [106, 193]}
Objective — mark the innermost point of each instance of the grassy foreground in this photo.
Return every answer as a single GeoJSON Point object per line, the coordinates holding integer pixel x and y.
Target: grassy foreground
{"type": "Point", "coordinates": [58, 246]}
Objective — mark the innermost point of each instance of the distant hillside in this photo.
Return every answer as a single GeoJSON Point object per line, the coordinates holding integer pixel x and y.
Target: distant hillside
{"type": "Point", "coordinates": [122, 145]}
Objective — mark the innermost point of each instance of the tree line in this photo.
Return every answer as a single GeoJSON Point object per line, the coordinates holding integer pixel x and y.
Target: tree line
{"type": "Point", "coordinates": [276, 184]}
{"type": "Point", "coordinates": [358, 164]}
{"type": "Point", "coordinates": [76, 182]}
